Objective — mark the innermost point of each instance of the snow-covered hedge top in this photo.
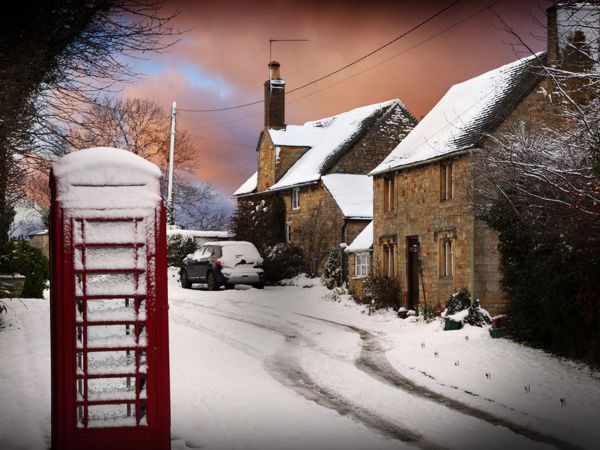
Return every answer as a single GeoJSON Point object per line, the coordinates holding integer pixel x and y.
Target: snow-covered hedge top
{"type": "Point", "coordinates": [337, 131]}
{"type": "Point", "coordinates": [248, 186]}
{"type": "Point", "coordinates": [363, 242]}
{"type": "Point", "coordinates": [106, 178]}
{"type": "Point", "coordinates": [352, 193]}
{"type": "Point", "coordinates": [462, 117]}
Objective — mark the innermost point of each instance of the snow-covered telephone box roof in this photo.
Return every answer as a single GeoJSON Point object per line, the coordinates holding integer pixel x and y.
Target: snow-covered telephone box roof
{"type": "Point", "coordinates": [106, 178]}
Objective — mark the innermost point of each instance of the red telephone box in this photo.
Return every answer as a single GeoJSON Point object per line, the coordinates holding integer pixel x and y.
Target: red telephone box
{"type": "Point", "coordinates": [110, 360]}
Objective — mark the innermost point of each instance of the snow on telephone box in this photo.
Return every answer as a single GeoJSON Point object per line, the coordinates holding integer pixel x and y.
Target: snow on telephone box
{"type": "Point", "coordinates": [110, 360]}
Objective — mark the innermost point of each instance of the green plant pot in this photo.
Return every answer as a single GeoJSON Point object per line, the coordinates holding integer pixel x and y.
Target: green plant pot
{"type": "Point", "coordinates": [450, 325]}
{"type": "Point", "coordinates": [496, 332]}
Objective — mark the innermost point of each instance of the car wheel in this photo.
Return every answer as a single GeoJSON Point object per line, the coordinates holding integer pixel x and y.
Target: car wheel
{"type": "Point", "coordinates": [229, 286]}
{"type": "Point", "coordinates": [211, 282]}
{"type": "Point", "coordinates": [259, 285]}
{"type": "Point", "coordinates": [185, 281]}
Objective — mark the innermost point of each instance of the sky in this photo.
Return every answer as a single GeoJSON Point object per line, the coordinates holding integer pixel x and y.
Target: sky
{"type": "Point", "coordinates": [221, 61]}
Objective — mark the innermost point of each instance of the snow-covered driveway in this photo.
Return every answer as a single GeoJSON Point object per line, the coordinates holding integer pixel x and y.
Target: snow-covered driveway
{"type": "Point", "coordinates": [281, 368]}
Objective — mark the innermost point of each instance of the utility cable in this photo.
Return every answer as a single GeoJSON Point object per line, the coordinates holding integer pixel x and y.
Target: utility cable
{"type": "Point", "coordinates": [356, 61]}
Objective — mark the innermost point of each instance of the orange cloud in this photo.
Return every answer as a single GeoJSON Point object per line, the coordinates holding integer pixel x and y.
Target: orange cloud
{"type": "Point", "coordinates": [222, 61]}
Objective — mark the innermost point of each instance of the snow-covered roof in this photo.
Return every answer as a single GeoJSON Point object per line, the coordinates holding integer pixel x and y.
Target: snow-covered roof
{"type": "Point", "coordinates": [363, 242]}
{"type": "Point", "coordinates": [106, 178]}
{"type": "Point", "coordinates": [297, 135]}
{"type": "Point", "coordinates": [467, 112]}
{"type": "Point", "coordinates": [248, 186]}
{"type": "Point", "coordinates": [352, 193]}
{"type": "Point", "coordinates": [337, 133]}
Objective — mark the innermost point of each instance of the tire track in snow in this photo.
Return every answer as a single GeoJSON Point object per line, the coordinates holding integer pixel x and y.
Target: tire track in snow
{"type": "Point", "coordinates": [373, 362]}
{"type": "Point", "coordinates": [286, 369]}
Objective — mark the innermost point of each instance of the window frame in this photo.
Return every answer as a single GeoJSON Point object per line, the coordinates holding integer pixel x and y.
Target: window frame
{"type": "Point", "coordinates": [362, 264]}
{"type": "Point", "coordinates": [296, 198]}
{"type": "Point", "coordinates": [447, 253]}
{"type": "Point", "coordinates": [388, 193]}
{"type": "Point", "coordinates": [388, 260]}
{"type": "Point", "coordinates": [446, 181]}
{"type": "Point", "coordinates": [288, 232]}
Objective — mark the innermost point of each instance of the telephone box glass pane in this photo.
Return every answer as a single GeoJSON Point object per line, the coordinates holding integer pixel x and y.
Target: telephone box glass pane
{"type": "Point", "coordinates": [108, 258]}
{"type": "Point", "coordinates": [107, 232]}
{"type": "Point", "coordinates": [122, 388]}
{"type": "Point", "coordinates": [111, 336]}
{"type": "Point", "coordinates": [110, 309]}
{"type": "Point", "coordinates": [112, 284]}
{"type": "Point", "coordinates": [112, 362]}
{"type": "Point", "coordinates": [120, 415]}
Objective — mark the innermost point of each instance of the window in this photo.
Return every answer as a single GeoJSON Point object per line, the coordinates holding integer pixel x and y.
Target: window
{"type": "Point", "coordinates": [288, 232]}
{"type": "Point", "coordinates": [446, 181]}
{"type": "Point", "coordinates": [446, 257]}
{"type": "Point", "coordinates": [388, 193]}
{"type": "Point", "coordinates": [296, 198]}
{"type": "Point", "coordinates": [362, 264]}
{"type": "Point", "coordinates": [388, 260]}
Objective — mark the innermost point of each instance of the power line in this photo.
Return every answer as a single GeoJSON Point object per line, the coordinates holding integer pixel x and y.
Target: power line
{"type": "Point", "coordinates": [356, 61]}
{"type": "Point", "coordinates": [456, 24]}
{"type": "Point", "coordinates": [460, 22]}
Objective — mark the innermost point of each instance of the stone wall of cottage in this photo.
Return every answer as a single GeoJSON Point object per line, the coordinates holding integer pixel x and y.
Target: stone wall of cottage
{"type": "Point", "coordinates": [266, 163]}
{"type": "Point", "coordinates": [286, 157]}
{"type": "Point", "coordinates": [377, 143]}
{"type": "Point", "coordinates": [419, 212]}
{"type": "Point", "coordinates": [317, 225]}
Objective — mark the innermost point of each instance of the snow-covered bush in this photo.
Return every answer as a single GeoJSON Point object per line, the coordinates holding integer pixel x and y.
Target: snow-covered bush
{"type": "Point", "coordinates": [178, 247]}
{"type": "Point", "coordinates": [20, 257]}
{"type": "Point", "coordinates": [282, 261]}
{"type": "Point", "coordinates": [332, 271]}
{"type": "Point", "coordinates": [461, 309]}
{"type": "Point", "coordinates": [378, 293]}
{"type": "Point", "coordinates": [458, 301]}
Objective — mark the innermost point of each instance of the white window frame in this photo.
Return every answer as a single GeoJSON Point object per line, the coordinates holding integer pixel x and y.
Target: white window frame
{"type": "Point", "coordinates": [447, 258]}
{"type": "Point", "coordinates": [388, 255]}
{"type": "Point", "coordinates": [288, 232]}
{"type": "Point", "coordinates": [362, 264]}
{"type": "Point", "coordinates": [296, 198]}
{"type": "Point", "coordinates": [448, 181]}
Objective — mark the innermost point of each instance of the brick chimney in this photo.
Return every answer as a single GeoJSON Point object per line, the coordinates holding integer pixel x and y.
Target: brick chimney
{"type": "Point", "coordinates": [571, 26]}
{"type": "Point", "coordinates": [274, 98]}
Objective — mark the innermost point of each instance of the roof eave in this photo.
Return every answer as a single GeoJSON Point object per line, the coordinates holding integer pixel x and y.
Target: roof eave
{"type": "Point", "coordinates": [462, 151]}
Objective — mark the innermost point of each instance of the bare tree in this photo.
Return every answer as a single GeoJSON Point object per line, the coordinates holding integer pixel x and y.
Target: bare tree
{"type": "Point", "coordinates": [197, 205]}
{"type": "Point", "coordinates": [56, 56]}
{"type": "Point", "coordinates": [140, 126]}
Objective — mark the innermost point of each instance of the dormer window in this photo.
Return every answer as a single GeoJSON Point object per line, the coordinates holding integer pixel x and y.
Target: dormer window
{"type": "Point", "coordinates": [296, 198]}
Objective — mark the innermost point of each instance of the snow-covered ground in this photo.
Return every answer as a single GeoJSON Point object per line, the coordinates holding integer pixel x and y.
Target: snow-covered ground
{"type": "Point", "coordinates": [284, 368]}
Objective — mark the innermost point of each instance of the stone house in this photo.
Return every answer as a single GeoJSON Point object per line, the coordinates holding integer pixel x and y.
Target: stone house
{"type": "Point", "coordinates": [360, 254]}
{"type": "Point", "coordinates": [425, 232]}
{"type": "Point", "coordinates": [319, 169]}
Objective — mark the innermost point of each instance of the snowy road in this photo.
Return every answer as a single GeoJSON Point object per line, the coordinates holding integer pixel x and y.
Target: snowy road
{"type": "Point", "coordinates": [332, 367]}
{"type": "Point", "coordinates": [281, 368]}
